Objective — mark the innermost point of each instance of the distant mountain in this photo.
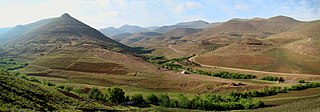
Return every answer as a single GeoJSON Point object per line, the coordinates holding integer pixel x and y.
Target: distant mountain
{"type": "Point", "coordinates": [152, 28]}
{"type": "Point", "coordinates": [59, 33]}
{"type": "Point", "coordinates": [212, 25]}
{"type": "Point", "coordinates": [3, 30]}
{"type": "Point", "coordinates": [193, 24]}
{"type": "Point", "coordinates": [180, 32]}
{"type": "Point", "coordinates": [133, 38]}
{"type": "Point", "coordinates": [261, 28]}
{"type": "Point", "coordinates": [132, 29]}
{"type": "Point", "coordinates": [154, 38]}
{"type": "Point", "coordinates": [111, 31]}
{"type": "Point", "coordinates": [20, 30]}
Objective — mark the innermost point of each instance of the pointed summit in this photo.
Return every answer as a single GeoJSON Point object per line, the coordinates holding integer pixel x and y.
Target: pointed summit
{"type": "Point", "coordinates": [66, 15]}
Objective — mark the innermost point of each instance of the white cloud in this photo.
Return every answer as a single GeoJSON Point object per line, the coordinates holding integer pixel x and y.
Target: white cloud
{"type": "Point", "coordinates": [187, 6]}
{"type": "Point", "coordinates": [241, 7]}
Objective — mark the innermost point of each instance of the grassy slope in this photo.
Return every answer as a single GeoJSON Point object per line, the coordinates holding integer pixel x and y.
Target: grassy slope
{"type": "Point", "coordinates": [275, 60]}
{"type": "Point", "coordinates": [17, 93]}
{"type": "Point", "coordinates": [308, 104]}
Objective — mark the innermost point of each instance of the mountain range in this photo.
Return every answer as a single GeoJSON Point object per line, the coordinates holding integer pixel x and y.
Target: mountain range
{"type": "Point", "coordinates": [251, 38]}
{"type": "Point", "coordinates": [195, 58]}
{"type": "Point", "coordinates": [112, 31]}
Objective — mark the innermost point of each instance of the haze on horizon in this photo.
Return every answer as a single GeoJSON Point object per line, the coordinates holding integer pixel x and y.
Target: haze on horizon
{"type": "Point", "coordinates": [106, 13]}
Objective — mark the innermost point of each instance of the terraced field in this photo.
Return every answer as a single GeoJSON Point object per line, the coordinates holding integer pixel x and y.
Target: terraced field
{"type": "Point", "coordinates": [275, 60]}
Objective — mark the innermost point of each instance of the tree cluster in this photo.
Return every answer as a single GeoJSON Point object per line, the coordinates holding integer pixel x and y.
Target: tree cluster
{"type": "Point", "coordinates": [270, 78]}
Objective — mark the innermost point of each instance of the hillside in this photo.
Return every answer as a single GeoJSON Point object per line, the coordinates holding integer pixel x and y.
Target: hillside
{"type": "Point", "coordinates": [20, 30]}
{"type": "Point", "coordinates": [3, 30]}
{"type": "Point", "coordinates": [18, 94]}
{"type": "Point", "coordinates": [294, 51]}
{"type": "Point", "coordinates": [69, 52]}
{"type": "Point", "coordinates": [136, 37]}
{"type": "Point", "coordinates": [236, 30]}
{"type": "Point", "coordinates": [58, 34]}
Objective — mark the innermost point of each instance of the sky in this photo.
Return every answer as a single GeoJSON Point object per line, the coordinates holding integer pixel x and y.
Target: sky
{"type": "Point", "coordinates": [107, 13]}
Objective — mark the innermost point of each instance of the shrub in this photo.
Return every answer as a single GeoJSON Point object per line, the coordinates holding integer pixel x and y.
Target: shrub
{"type": "Point", "coordinates": [50, 84]}
{"type": "Point", "coordinates": [155, 57]}
{"type": "Point", "coordinates": [61, 87]}
{"type": "Point", "coordinates": [152, 99]}
{"type": "Point", "coordinates": [197, 103]}
{"type": "Point", "coordinates": [77, 91]}
{"type": "Point", "coordinates": [172, 66]}
{"type": "Point", "coordinates": [115, 95]}
{"type": "Point", "coordinates": [183, 101]}
{"type": "Point", "coordinates": [68, 88]}
{"type": "Point", "coordinates": [164, 100]}
{"type": "Point", "coordinates": [137, 98]}
{"type": "Point", "coordinates": [269, 78]}
{"type": "Point", "coordinates": [301, 81]}
{"type": "Point", "coordinates": [96, 94]}
{"type": "Point", "coordinates": [127, 99]}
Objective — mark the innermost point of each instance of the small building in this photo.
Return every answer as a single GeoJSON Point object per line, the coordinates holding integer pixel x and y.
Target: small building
{"type": "Point", "coordinates": [280, 80]}
{"type": "Point", "coordinates": [234, 84]}
{"type": "Point", "coordinates": [184, 72]}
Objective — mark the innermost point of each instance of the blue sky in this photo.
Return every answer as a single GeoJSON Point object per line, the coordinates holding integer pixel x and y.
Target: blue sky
{"type": "Point", "coordinates": [105, 13]}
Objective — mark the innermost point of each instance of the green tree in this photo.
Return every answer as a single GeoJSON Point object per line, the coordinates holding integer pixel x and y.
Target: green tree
{"type": "Point", "coordinates": [152, 99]}
{"type": "Point", "coordinates": [183, 101]}
{"type": "Point", "coordinates": [137, 98]}
{"type": "Point", "coordinates": [164, 100]}
{"type": "Point", "coordinates": [96, 94]}
{"type": "Point", "coordinates": [115, 95]}
{"type": "Point", "coordinates": [197, 103]}
{"type": "Point", "coordinates": [301, 81]}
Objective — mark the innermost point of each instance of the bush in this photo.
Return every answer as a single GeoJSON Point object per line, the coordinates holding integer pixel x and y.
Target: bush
{"type": "Point", "coordinates": [155, 57]}
{"type": "Point", "coordinates": [68, 88]}
{"type": "Point", "coordinates": [77, 91]}
{"type": "Point", "coordinates": [152, 99]}
{"type": "Point", "coordinates": [301, 81]}
{"type": "Point", "coordinates": [164, 100]}
{"type": "Point", "coordinates": [115, 95]}
{"type": "Point", "coordinates": [127, 99]}
{"type": "Point", "coordinates": [61, 87]}
{"type": "Point", "coordinates": [183, 102]}
{"type": "Point", "coordinates": [229, 75]}
{"type": "Point", "coordinates": [96, 94]}
{"type": "Point", "coordinates": [172, 66]}
{"type": "Point", "coordinates": [197, 103]}
{"type": "Point", "coordinates": [137, 98]}
{"type": "Point", "coordinates": [50, 84]}
{"type": "Point", "coordinates": [269, 78]}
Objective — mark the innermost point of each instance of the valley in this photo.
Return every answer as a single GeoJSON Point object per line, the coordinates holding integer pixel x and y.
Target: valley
{"type": "Point", "coordinates": [258, 64]}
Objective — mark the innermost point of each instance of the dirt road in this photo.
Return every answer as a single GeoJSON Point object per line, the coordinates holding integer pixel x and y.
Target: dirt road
{"type": "Point", "coordinates": [170, 46]}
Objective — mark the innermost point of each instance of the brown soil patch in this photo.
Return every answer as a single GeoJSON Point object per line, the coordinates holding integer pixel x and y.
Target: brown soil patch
{"type": "Point", "coordinates": [106, 67]}
{"type": "Point", "coordinates": [44, 75]}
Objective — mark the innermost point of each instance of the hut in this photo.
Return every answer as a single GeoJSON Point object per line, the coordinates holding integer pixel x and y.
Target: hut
{"type": "Point", "coordinates": [280, 80]}
{"type": "Point", "coordinates": [184, 72]}
{"type": "Point", "coordinates": [234, 84]}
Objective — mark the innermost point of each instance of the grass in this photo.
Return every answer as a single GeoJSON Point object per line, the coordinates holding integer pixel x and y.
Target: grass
{"type": "Point", "coordinates": [305, 104]}
{"type": "Point", "coordinates": [144, 84]}
{"type": "Point", "coordinates": [275, 60]}
{"type": "Point", "coordinates": [17, 94]}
